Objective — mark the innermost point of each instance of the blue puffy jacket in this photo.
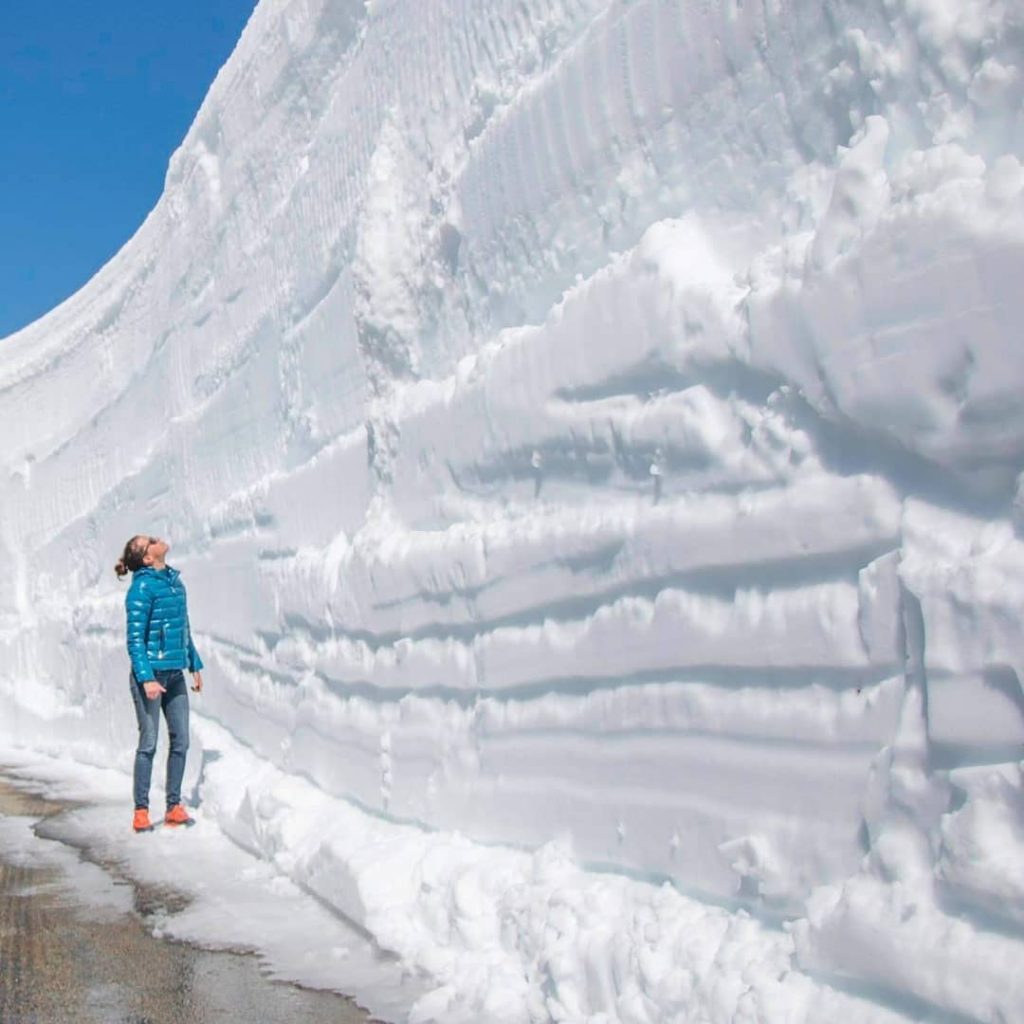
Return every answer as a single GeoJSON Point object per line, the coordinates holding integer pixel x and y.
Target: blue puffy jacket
{"type": "Point", "coordinates": [158, 632]}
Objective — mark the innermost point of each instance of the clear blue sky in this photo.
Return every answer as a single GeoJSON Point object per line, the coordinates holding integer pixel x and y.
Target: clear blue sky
{"type": "Point", "coordinates": [94, 98]}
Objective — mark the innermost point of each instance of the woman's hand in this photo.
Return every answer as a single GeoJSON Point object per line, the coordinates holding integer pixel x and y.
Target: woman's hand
{"type": "Point", "coordinates": [197, 682]}
{"type": "Point", "coordinates": [153, 689]}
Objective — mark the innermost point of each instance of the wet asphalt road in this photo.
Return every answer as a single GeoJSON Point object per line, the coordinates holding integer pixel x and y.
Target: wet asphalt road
{"type": "Point", "coordinates": [59, 965]}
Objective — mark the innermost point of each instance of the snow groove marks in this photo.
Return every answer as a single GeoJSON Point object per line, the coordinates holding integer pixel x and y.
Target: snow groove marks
{"type": "Point", "coordinates": [77, 366]}
{"type": "Point", "coordinates": [323, 378]}
{"type": "Point", "coordinates": [408, 267]}
{"type": "Point", "coordinates": [635, 122]}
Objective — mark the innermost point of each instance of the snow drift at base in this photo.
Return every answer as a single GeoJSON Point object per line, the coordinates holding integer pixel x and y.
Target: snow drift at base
{"type": "Point", "coordinates": [592, 435]}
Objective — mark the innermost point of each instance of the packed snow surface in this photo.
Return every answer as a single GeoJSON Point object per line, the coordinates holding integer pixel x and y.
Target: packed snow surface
{"type": "Point", "coordinates": [592, 433]}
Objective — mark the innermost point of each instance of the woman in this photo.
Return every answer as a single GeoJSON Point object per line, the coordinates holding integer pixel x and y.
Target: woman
{"type": "Point", "coordinates": [160, 647]}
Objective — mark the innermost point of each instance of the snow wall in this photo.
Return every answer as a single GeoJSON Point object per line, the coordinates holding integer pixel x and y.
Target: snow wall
{"type": "Point", "coordinates": [590, 431]}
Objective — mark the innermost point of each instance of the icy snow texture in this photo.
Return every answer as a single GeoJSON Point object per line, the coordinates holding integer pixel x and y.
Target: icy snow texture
{"type": "Point", "coordinates": [580, 422]}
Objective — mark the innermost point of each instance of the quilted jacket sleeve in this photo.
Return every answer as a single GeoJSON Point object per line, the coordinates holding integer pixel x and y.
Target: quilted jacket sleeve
{"type": "Point", "coordinates": [138, 605]}
{"type": "Point", "coordinates": [195, 663]}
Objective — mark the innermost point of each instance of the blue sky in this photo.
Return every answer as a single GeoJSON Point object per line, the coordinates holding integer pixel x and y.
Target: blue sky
{"type": "Point", "coordinates": [94, 98]}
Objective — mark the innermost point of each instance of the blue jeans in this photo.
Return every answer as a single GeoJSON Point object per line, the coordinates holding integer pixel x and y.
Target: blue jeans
{"type": "Point", "coordinates": [175, 707]}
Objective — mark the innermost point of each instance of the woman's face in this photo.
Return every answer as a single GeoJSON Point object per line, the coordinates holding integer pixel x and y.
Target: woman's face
{"type": "Point", "coordinates": [152, 549]}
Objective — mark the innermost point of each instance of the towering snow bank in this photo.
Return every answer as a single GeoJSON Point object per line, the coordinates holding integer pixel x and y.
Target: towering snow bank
{"type": "Point", "coordinates": [580, 422]}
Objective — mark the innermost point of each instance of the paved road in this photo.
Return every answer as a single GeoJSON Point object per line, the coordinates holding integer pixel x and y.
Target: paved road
{"type": "Point", "coordinates": [59, 965]}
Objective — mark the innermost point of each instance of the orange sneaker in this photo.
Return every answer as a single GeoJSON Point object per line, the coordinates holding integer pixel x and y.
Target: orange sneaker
{"type": "Point", "coordinates": [177, 815]}
{"type": "Point", "coordinates": [141, 822]}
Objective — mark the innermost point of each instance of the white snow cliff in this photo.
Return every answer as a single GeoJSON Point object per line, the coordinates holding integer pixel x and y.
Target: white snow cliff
{"type": "Point", "coordinates": [592, 433]}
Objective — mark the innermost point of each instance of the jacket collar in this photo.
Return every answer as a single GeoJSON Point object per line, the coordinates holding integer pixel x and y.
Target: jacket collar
{"type": "Point", "coordinates": [168, 572]}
